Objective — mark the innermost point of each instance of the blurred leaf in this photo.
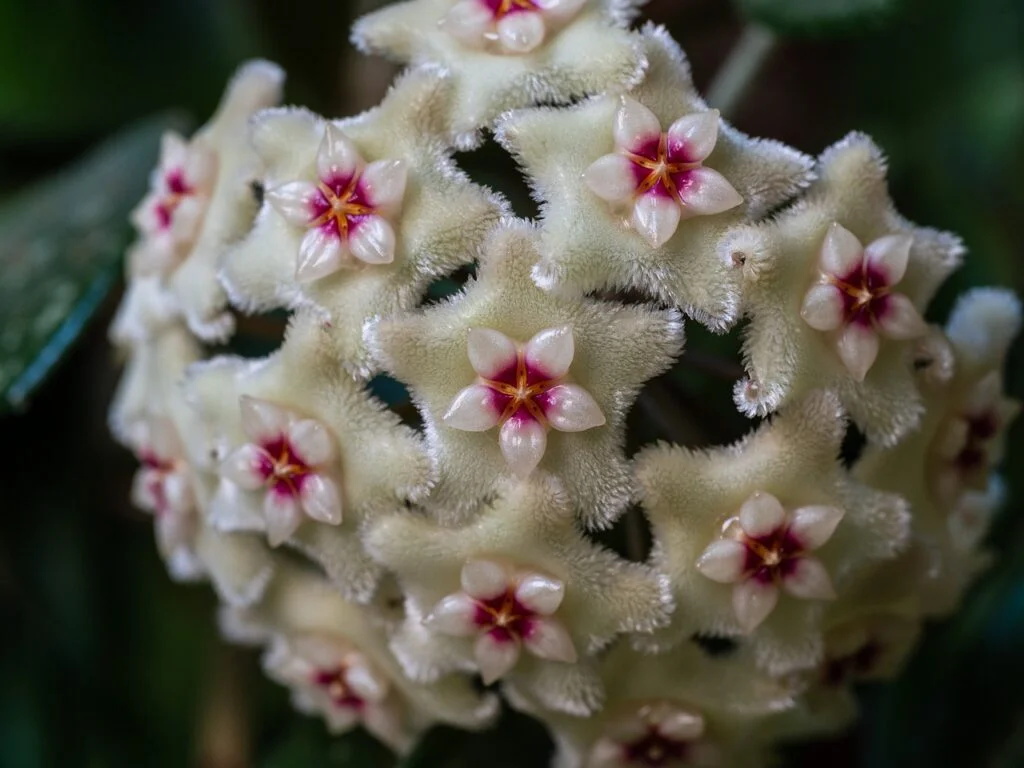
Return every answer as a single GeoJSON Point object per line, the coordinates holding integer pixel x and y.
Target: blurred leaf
{"type": "Point", "coordinates": [307, 743]}
{"type": "Point", "coordinates": [817, 17]}
{"type": "Point", "coordinates": [515, 741]}
{"type": "Point", "coordinates": [60, 248]}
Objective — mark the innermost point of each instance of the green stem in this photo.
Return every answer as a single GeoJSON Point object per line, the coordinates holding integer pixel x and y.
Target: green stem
{"type": "Point", "coordinates": [740, 70]}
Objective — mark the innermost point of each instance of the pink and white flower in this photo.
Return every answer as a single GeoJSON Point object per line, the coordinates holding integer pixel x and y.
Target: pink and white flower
{"type": "Point", "coordinates": [505, 609]}
{"type": "Point", "coordinates": [330, 677]}
{"type": "Point", "coordinates": [658, 733]}
{"type": "Point", "coordinates": [507, 26]}
{"type": "Point", "coordinates": [289, 459]}
{"type": "Point", "coordinates": [659, 178]}
{"type": "Point", "coordinates": [347, 211]}
{"type": "Point", "coordinates": [168, 218]}
{"type": "Point", "coordinates": [523, 388]}
{"type": "Point", "coordinates": [868, 648]}
{"type": "Point", "coordinates": [853, 298]}
{"type": "Point", "coordinates": [163, 486]}
{"type": "Point", "coordinates": [764, 548]}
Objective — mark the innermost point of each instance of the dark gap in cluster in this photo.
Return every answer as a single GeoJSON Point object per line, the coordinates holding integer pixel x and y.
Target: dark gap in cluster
{"type": "Point", "coordinates": [853, 445]}
{"type": "Point", "coordinates": [395, 395]}
{"type": "Point", "coordinates": [630, 537]}
{"type": "Point", "coordinates": [257, 189]}
{"type": "Point", "coordinates": [256, 335]}
{"type": "Point", "coordinates": [627, 296]}
{"type": "Point", "coordinates": [445, 287]}
{"type": "Point", "coordinates": [715, 646]}
{"type": "Point", "coordinates": [491, 166]}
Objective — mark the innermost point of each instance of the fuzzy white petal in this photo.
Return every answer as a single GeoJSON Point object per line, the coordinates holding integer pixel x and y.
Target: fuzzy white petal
{"type": "Point", "coordinates": [453, 615]}
{"type": "Point", "coordinates": [385, 182]}
{"type": "Point", "coordinates": [292, 201]}
{"type": "Point", "coordinates": [901, 319]}
{"type": "Point", "coordinates": [472, 410]}
{"type": "Point", "coordinates": [483, 579]}
{"type": "Point", "coordinates": [809, 580]}
{"type": "Point", "coordinates": [814, 525]}
{"type": "Point", "coordinates": [283, 516]}
{"type": "Point", "coordinates": [823, 307]}
{"type": "Point", "coordinates": [708, 192]}
{"type": "Point", "coordinates": [262, 421]}
{"type": "Point", "coordinates": [523, 442]}
{"type": "Point", "coordinates": [495, 657]}
{"type": "Point", "coordinates": [857, 347]}
{"type": "Point", "coordinates": [551, 351]}
{"type": "Point", "coordinates": [697, 133]}
{"type": "Point", "coordinates": [611, 178]}
{"type": "Point", "coordinates": [468, 21]}
{"type": "Point", "coordinates": [753, 601]}
{"type": "Point", "coordinates": [548, 639]}
{"type": "Point", "coordinates": [321, 253]}
{"type": "Point", "coordinates": [889, 255]}
{"type": "Point", "coordinates": [540, 593]}
{"type": "Point", "coordinates": [572, 409]}
{"type": "Point", "coordinates": [761, 514]}
{"type": "Point", "coordinates": [841, 251]}
{"type": "Point", "coordinates": [635, 125]}
{"type": "Point", "coordinates": [373, 241]}
{"type": "Point", "coordinates": [243, 467]}
{"type": "Point", "coordinates": [320, 499]}
{"type": "Point", "coordinates": [521, 32]}
{"type": "Point", "coordinates": [312, 441]}
{"type": "Point", "coordinates": [490, 351]}
{"type": "Point", "coordinates": [656, 218]}
{"type": "Point", "coordinates": [723, 561]}
{"type": "Point", "coordinates": [337, 157]}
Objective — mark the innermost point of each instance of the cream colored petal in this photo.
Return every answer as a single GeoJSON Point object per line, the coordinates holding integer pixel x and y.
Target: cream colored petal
{"type": "Point", "coordinates": [707, 192]}
{"type": "Point", "coordinates": [283, 516]}
{"type": "Point", "coordinates": [753, 601]}
{"type": "Point", "coordinates": [495, 657]}
{"type": "Point", "coordinates": [521, 32]}
{"type": "Point", "coordinates": [761, 514]}
{"type": "Point", "coordinates": [901, 319]}
{"type": "Point", "coordinates": [814, 525]}
{"type": "Point", "coordinates": [385, 182]}
{"type": "Point", "coordinates": [889, 255]}
{"type": "Point", "coordinates": [857, 346]}
{"type": "Point", "coordinates": [262, 420]}
{"type": "Point", "coordinates": [611, 178]}
{"type": "Point", "coordinates": [548, 639]}
{"type": "Point", "coordinates": [490, 352]}
{"type": "Point", "coordinates": [321, 253]}
{"type": "Point", "coordinates": [372, 241]}
{"type": "Point", "coordinates": [809, 580]}
{"type": "Point", "coordinates": [366, 681]}
{"type": "Point", "coordinates": [694, 136]}
{"type": "Point", "coordinates": [473, 410]}
{"type": "Point", "coordinates": [723, 561]}
{"type": "Point", "coordinates": [312, 441]}
{"type": "Point", "coordinates": [484, 579]}
{"type": "Point", "coordinates": [656, 218]}
{"type": "Point", "coordinates": [292, 201]}
{"type": "Point", "coordinates": [541, 594]}
{"type": "Point", "coordinates": [551, 351]}
{"type": "Point", "coordinates": [247, 467]}
{"type": "Point", "coordinates": [523, 442]}
{"type": "Point", "coordinates": [570, 408]}
{"type": "Point", "coordinates": [468, 21]}
{"type": "Point", "coordinates": [337, 157]}
{"type": "Point", "coordinates": [823, 307]}
{"type": "Point", "coordinates": [454, 615]}
{"type": "Point", "coordinates": [635, 125]}
{"type": "Point", "coordinates": [320, 499]}
{"type": "Point", "coordinates": [841, 251]}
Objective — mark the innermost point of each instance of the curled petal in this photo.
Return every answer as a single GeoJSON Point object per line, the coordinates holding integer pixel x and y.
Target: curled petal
{"type": "Point", "coordinates": [841, 251]}
{"type": "Point", "coordinates": [373, 241]}
{"type": "Point", "coordinates": [548, 639]}
{"type": "Point", "coordinates": [691, 138]}
{"type": "Point", "coordinates": [812, 526]}
{"type": "Point", "coordinates": [761, 514]}
{"type": "Point", "coordinates": [283, 516]}
{"type": "Point", "coordinates": [635, 125]}
{"type": "Point", "coordinates": [656, 218]}
{"type": "Point", "coordinates": [262, 421]}
{"type": "Point", "coordinates": [473, 410]}
{"type": "Point", "coordinates": [337, 159]}
{"type": "Point", "coordinates": [321, 253]}
{"type": "Point", "coordinates": [484, 579]}
{"type": "Point", "coordinates": [523, 442]}
{"type": "Point", "coordinates": [823, 307]}
{"type": "Point", "coordinates": [681, 725]}
{"type": "Point", "coordinates": [366, 681]}
{"type": "Point", "coordinates": [292, 201]}
{"type": "Point", "coordinates": [248, 467]}
{"type": "Point", "coordinates": [312, 441]}
{"type": "Point", "coordinates": [901, 320]}
{"type": "Point", "coordinates": [468, 22]}
{"type": "Point", "coordinates": [570, 408]}
{"type": "Point", "coordinates": [707, 192]}
{"type": "Point", "coordinates": [889, 255]}
{"type": "Point", "coordinates": [320, 499]}
{"type": "Point", "coordinates": [723, 561]}
{"type": "Point", "coordinates": [495, 656]}
{"type": "Point", "coordinates": [454, 615]}
{"type": "Point", "coordinates": [521, 32]}
{"type": "Point", "coordinates": [385, 182]}
{"type": "Point", "coordinates": [857, 347]}
{"type": "Point", "coordinates": [753, 601]}
{"type": "Point", "coordinates": [491, 352]}
{"type": "Point", "coordinates": [541, 594]}
{"type": "Point", "coordinates": [551, 351]}
{"type": "Point", "coordinates": [809, 580]}
{"type": "Point", "coordinates": [611, 178]}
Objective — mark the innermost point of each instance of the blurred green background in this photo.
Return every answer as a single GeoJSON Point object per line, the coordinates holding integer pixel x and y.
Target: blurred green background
{"type": "Point", "coordinates": [105, 662]}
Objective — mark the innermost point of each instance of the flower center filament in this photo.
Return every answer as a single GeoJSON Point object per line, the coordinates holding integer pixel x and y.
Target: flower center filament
{"type": "Point", "coordinates": [286, 470]}
{"type": "Point", "coordinates": [865, 293]}
{"type": "Point", "coordinates": [769, 557]}
{"type": "Point", "coordinates": [338, 205]}
{"type": "Point", "coordinates": [502, 8]}
{"type": "Point", "coordinates": [503, 616]}
{"type": "Point", "coordinates": [520, 388]}
{"type": "Point", "coordinates": [332, 681]}
{"type": "Point", "coordinates": [657, 171]}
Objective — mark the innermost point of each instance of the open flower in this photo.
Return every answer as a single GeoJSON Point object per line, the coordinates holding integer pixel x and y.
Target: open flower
{"type": "Point", "coordinates": [510, 26]}
{"type": "Point", "coordinates": [854, 297]}
{"type": "Point", "coordinates": [660, 176]}
{"type": "Point", "coordinates": [657, 733]}
{"type": "Point", "coordinates": [505, 610]}
{"type": "Point", "coordinates": [290, 459]}
{"type": "Point", "coordinates": [522, 389]}
{"type": "Point", "coordinates": [345, 210]}
{"type": "Point", "coordinates": [764, 548]}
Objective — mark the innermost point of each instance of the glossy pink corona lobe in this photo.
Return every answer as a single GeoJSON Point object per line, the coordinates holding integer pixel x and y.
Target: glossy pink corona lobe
{"type": "Point", "coordinates": [507, 26]}
{"type": "Point", "coordinates": [282, 467]}
{"type": "Point", "coordinates": [504, 618]}
{"type": "Point", "coordinates": [657, 734]}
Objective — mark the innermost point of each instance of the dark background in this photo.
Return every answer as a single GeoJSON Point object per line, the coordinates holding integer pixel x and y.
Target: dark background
{"type": "Point", "coordinates": [105, 662]}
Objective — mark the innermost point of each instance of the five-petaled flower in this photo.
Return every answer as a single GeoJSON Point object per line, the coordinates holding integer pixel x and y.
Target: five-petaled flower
{"type": "Point", "coordinates": [763, 548]}
{"type": "Point", "coordinates": [163, 484]}
{"type": "Point", "coordinates": [657, 734]}
{"type": "Point", "coordinates": [509, 26]}
{"type": "Point", "coordinates": [659, 178]}
{"type": "Point", "coordinates": [505, 609]}
{"type": "Point", "coordinates": [523, 389]}
{"type": "Point", "coordinates": [346, 211]}
{"type": "Point", "coordinates": [853, 297]}
{"type": "Point", "coordinates": [289, 458]}
{"type": "Point", "coordinates": [168, 218]}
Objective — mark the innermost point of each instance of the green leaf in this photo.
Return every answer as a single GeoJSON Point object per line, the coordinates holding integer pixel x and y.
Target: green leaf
{"type": "Point", "coordinates": [60, 248]}
{"type": "Point", "coordinates": [806, 18]}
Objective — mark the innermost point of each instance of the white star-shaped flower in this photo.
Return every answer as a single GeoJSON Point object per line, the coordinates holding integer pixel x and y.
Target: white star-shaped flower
{"type": "Point", "coordinates": [360, 215]}
{"type": "Point", "coordinates": [746, 515]}
{"type": "Point", "coordinates": [819, 294]}
{"type": "Point", "coordinates": [636, 191]}
{"type": "Point", "coordinates": [504, 54]}
{"type": "Point", "coordinates": [519, 576]}
{"type": "Point", "coordinates": [585, 350]}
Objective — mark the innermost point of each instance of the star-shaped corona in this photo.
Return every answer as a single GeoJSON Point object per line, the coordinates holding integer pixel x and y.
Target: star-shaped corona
{"type": "Point", "coordinates": [521, 388]}
{"type": "Point", "coordinates": [656, 734]}
{"type": "Point", "coordinates": [508, 26]}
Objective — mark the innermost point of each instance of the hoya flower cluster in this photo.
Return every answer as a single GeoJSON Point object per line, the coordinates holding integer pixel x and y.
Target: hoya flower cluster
{"type": "Point", "coordinates": [386, 564]}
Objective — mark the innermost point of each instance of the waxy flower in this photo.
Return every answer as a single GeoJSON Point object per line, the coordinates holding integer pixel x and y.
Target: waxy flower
{"type": "Point", "coordinates": [522, 390]}
{"type": "Point", "coordinates": [509, 26]}
{"type": "Point", "coordinates": [658, 176]}
{"type": "Point", "coordinates": [659, 733]}
{"type": "Point", "coordinates": [505, 610]}
{"type": "Point", "coordinates": [764, 549]}
{"type": "Point", "coordinates": [854, 300]}
{"type": "Point", "coordinates": [289, 458]}
{"type": "Point", "coordinates": [870, 647]}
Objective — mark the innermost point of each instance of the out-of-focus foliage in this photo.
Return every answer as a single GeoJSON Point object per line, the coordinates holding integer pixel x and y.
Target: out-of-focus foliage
{"type": "Point", "coordinates": [817, 17]}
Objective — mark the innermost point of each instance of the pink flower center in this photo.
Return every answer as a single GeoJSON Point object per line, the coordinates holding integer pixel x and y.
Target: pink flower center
{"type": "Point", "coordinates": [159, 468]}
{"type": "Point", "coordinates": [981, 428]}
{"type": "Point", "coordinates": [282, 469]}
{"type": "Point", "coordinates": [662, 167]}
{"type": "Point", "coordinates": [655, 749]}
{"type": "Point", "coordinates": [339, 205]}
{"type": "Point", "coordinates": [520, 391]}
{"type": "Point", "coordinates": [771, 557]}
{"type": "Point", "coordinates": [332, 681]}
{"type": "Point", "coordinates": [502, 8]}
{"type": "Point", "coordinates": [865, 292]}
{"type": "Point", "coordinates": [177, 190]}
{"type": "Point", "coordinates": [861, 662]}
{"type": "Point", "coordinates": [504, 617]}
